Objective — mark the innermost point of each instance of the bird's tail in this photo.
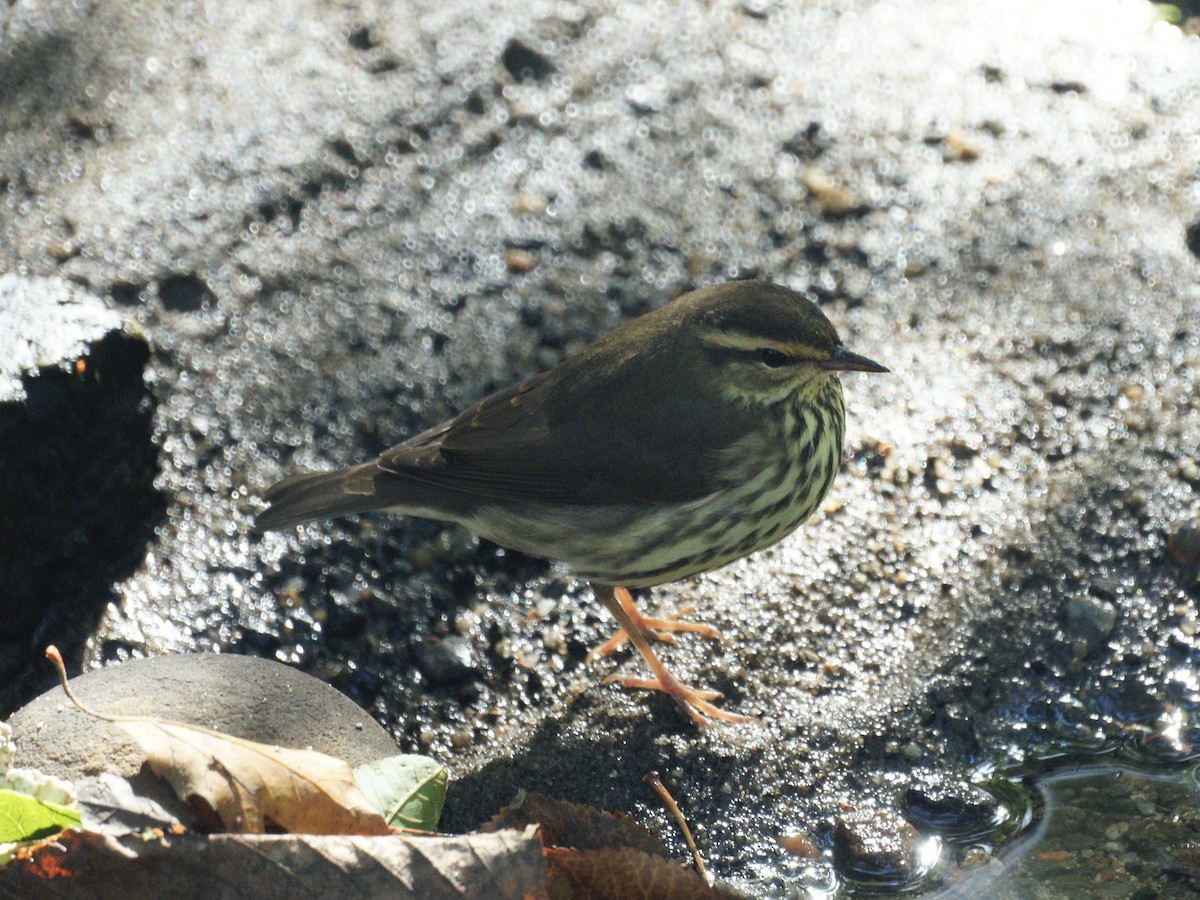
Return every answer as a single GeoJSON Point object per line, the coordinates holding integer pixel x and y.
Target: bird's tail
{"type": "Point", "coordinates": [316, 495]}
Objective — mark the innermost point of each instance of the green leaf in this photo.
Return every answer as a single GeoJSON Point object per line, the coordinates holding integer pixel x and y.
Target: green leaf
{"type": "Point", "coordinates": [25, 818]}
{"type": "Point", "coordinates": [408, 790]}
{"type": "Point", "coordinates": [1166, 12]}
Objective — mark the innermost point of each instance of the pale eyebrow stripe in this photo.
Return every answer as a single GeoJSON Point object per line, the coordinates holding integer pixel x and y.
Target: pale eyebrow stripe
{"type": "Point", "coordinates": [732, 341]}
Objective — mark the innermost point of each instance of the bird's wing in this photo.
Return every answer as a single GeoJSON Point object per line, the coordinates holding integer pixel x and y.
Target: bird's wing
{"type": "Point", "coordinates": [572, 439]}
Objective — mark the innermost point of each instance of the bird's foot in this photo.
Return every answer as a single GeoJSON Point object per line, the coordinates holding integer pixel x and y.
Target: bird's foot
{"type": "Point", "coordinates": [696, 702]}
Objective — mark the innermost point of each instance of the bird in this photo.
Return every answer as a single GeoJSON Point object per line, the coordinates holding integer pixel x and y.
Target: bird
{"type": "Point", "coordinates": [687, 438]}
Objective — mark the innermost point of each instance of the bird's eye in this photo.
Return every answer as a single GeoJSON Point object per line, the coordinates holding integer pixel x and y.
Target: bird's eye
{"type": "Point", "coordinates": [769, 356]}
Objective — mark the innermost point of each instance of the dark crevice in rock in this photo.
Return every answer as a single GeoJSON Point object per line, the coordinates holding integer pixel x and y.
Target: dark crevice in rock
{"type": "Point", "coordinates": [184, 293]}
{"type": "Point", "coordinates": [524, 63]}
{"type": "Point", "coordinates": [78, 505]}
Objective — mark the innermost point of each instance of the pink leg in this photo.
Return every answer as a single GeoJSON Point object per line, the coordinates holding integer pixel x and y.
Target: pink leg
{"type": "Point", "coordinates": [651, 629]}
{"type": "Point", "coordinates": [694, 701]}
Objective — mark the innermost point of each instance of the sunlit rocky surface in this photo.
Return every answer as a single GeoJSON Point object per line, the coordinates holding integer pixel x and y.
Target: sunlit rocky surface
{"type": "Point", "coordinates": [336, 225]}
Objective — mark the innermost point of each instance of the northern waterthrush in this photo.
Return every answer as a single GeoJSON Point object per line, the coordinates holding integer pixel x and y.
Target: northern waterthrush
{"type": "Point", "coordinates": [687, 438]}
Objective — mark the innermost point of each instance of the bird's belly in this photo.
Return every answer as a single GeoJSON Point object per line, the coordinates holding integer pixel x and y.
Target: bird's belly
{"type": "Point", "coordinates": [645, 545]}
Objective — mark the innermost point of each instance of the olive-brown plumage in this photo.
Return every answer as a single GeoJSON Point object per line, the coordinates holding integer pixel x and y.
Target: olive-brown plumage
{"type": "Point", "coordinates": [681, 441]}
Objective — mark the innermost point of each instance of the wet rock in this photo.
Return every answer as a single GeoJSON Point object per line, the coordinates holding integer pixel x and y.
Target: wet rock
{"type": "Point", "coordinates": [77, 465]}
{"type": "Point", "coordinates": [352, 229]}
{"type": "Point", "coordinates": [1130, 700]}
{"type": "Point", "coordinates": [875, 846]}
{"type": "Point", "coordinates": [955, 809]}
{"type": "Point", "coordinates": [253, 698]}
{"type": "Point", "coordinates": [1091, 620]}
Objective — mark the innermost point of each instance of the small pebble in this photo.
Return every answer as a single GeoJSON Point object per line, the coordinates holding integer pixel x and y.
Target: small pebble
{"type": "Point", "coordinates": [422, 558]}
{"type": "Point", "coordinates": [1056, 856]}
{"type": "Point", "coordinates": [959, 148]}
{"type": "Point", "coordinates": [833, 200]}
{"type": "Point", "coordinates": [1091, 619]}
{"type": "Point", "coordinates": [800, 845]}
{"type": "Point", "coordinates": [520, 261]}
{"type": "Point", "coordinates": [447, 661]}
{"type": "Point", "coordinates": [974, 857]}
{"type": "Point", "coordinates": [552, 638]}
{"type": "Point", "coordinates": [531, 202]}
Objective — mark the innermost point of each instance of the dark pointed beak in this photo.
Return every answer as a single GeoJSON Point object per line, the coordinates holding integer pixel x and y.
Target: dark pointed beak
{"type": "Point", "coordinates": [845, 361]}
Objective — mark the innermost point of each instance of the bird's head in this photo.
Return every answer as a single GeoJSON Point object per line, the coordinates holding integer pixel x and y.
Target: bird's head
{"type": "Point", "coordinates": [764, 343]}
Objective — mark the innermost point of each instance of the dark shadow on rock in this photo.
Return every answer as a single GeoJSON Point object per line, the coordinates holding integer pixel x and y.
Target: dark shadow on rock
{"type": "Point", "coordinates": [605, 770]}
{"type": "Point", "coordinates": [44, 74]}
{"type": "Point", "coordinates": [78, 506]}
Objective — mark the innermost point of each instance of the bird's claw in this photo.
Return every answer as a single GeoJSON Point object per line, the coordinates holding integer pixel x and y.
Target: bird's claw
{"type": "Point", "coordinates": [695, 701]}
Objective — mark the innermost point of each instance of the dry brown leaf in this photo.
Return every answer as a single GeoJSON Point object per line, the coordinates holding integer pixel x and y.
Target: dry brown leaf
{"type": "Point", "coordinates": [507, 864]}
{"type": "Point", "coordinates": [576, 826]}
{"type": "Point", "coordinates": [624, 873]}
{"type": "Point", "coordinates": [113, 805]}
{"type": "Point", "coordinates": [248, 784]}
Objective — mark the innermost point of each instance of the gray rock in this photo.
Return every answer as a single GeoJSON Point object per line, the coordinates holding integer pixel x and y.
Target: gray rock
{"type": "Point", "coordinates": [1091, 619]}
{"type": "Point", "coordinates": [447, 661]}
{"type": "Point", "coordinates": [994, 201]}
{"type": "Point", "coordinates": [244, 696]}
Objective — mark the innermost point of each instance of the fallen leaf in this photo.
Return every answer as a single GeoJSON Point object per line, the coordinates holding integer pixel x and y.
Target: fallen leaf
{"type": "Point", "coordinates": [109, 804]}
{"type": "Point", "coordinates": [576, 826]}
{"type": "Point", "coordinates": [409, 790]}
{"type": "Point", "coordinates": [248, 784]}
{"type": "Point", "coordinates": [25, 818]}
{"type": "Point", "coordinates": [624, 873]}
{"type": "Point", "coordinates": [245, 783]}
{"type": "Point", "coordinates": [506, 864]}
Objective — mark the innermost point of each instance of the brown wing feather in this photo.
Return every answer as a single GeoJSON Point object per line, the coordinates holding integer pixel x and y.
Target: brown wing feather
{"type": "Point", "coordinates": [608, 431]}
